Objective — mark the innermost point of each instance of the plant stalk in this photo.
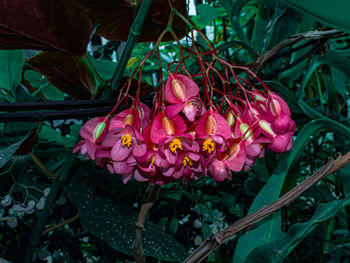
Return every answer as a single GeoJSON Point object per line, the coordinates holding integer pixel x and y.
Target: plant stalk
{"type": "Point", "coordinates": [56, 188]}
{"type": "Point", "coordinates": [135, 31]}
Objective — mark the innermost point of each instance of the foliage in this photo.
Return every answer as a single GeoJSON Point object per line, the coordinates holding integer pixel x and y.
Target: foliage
{"type": "Point", "coordinates": [76, 64]}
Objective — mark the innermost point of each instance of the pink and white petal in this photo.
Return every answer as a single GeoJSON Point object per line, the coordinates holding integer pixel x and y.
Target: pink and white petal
{"type": "Point", "coordinates": [174, 109]}
{"type": "Point", "coordinates": [191, 88]}
{"type": "Point", "coordinates": [78, 146]}
{"type": "Point", "coordinates": [159, 161]}
{"type": "Point", "coordinates": [280, 143]}
{"type": "Point", "coordinates": [139, 149]}
{"type": "Point", "coordinates": [119, 152]}
{"type": "Point", "coordinates": [190, 111]}
{"type": "Point", "coordinates": [237, 158]}
{"type": "Point", "coordinates": [126, 177]}
{"type": "Point", "coordinates": [218, 170]}
{"type": "Point", "coordinates": [111, 138]}
{"type": "Point", "coordinates": [110, 168]}
{"type": "Point", "coordinates": [91, 149]}
{"type": "Point", "coordinates": [157, 130]}
{"type": "Point", "coordinates": [88, 128]}
{"type": "Point", "coordinates": [138, 177]}
{"type": "Point", "coordinates": [122, 168]}
{"type": "Point", "coordinates": [179, 125]}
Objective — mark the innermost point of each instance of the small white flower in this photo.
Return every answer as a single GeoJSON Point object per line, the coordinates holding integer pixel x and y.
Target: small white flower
{"type": "Point", "coordinates": [198, 240]}
{"type": "Point", "coordinates": [47, 191]}
{"type": "Point", "coordinates": [12, 222]}
{"type": "Point", "coordinates": [19, 209]}
{"type": "Point", "coordinates": [6, 201]}
{"type": "Point", "coordinates": [197, 223]}
{"type": "Point", "coordinates": [40, 205]}
{"type": "Point", "coordinates": [30, 207]}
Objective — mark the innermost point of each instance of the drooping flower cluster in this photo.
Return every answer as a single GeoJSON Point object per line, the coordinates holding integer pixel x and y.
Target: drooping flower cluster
{"type": "Point", "coordinates": [186, 137]}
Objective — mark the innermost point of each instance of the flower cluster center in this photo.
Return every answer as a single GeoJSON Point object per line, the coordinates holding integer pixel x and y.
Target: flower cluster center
{"type": "Point", "coordinates": [152, 161]}
{"type": "Point", "coordinates": [174, 145]}
{"type": "Point", "coordinates": [187, 161]}
{"type": "Point", "coordinates": [208, 145]}
{"type": "Point", "coordinates": [126, 140]}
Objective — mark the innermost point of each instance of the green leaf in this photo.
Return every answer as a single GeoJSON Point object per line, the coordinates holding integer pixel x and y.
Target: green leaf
{"type": "Point", "coordinates": [277, 251]}
{"type": "Point", "coordinates": [52, 135]}
{"type": "Point", "coordinates": [104, 67]}
{"type": "Point", "coordinates": [333, 59]}
{"type": "Point", "coordinates": [207, 14]}
{"type": "Point", "coordinates": [41, 83]}
{"type": "Point", "coordinates": [11, 65]}
{"type": "Point", "coordinates": [265, 12]}
{"type": "Point", "coordinates": [334, 14]}
{"type": "Point", "coordinates": [7, 152]}
{"type": "Point", "coordinates": [269, 230]}
{"type": "Point", "coordinates": [235, 13]}
{"type": "Point", "coordinates": [112, 223]}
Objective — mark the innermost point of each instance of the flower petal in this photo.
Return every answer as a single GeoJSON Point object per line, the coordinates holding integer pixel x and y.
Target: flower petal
{"type": "Point", "coordinates": [119, 152]}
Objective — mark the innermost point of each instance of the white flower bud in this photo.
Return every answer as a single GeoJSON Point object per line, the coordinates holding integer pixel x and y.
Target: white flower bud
{"type": "Point", "coordinates": [12, 222]}
{"type": "Point", "coordinates": [40, 205]}
{"type": "Point", "coordinates": [198, 240]}
{"type": "Point", "coordinates": [47, 191]}
{"type": "Point", "coordinates": [6, 201]}
{"type": "Point", "coordinates": [197, 223]}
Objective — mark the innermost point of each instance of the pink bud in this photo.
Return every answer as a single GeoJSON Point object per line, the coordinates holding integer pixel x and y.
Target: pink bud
{"type": "Point", "coordinates": [218, 170]}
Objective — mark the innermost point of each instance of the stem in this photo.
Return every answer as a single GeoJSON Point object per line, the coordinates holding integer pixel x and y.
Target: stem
{"type": "Point", "coordinates": [42, 166]}
{"type": "Point", "coordinates": [56, 187]}
{"type": "Point", "coordinates": [151, 198]}
{"type": "Point", "coordinates": [94, 72]}
{"type": "Point", "coordinates": [135, 31]}
{"type": "Point", "coordinates": [68, 221]}
{"type": "Point", "coordinates": [220, 237]}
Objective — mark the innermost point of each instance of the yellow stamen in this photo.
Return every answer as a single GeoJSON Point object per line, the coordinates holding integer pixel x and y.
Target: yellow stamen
{"type": "Point", "coordinates": [174, 145]}
{"type": "Point", "coordinates": [187, 161]}
{"type": "Point", "coordinates": [126, 140]}
{"type": "Point", "coordinates": [208, 145]}
{"type": "Point", "coordinates": [152, 161]}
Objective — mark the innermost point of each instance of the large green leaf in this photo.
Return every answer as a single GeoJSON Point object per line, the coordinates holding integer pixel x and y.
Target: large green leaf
{"type": "Point", "coordinates": [112, 223]}
{"type": "Point", "coordinates": [11, 65]}
{"type": "Point", "coordinates": [334, 14]}
{"type": "Point", "coordinates": [7, 152]}
{"type": "Point", "coordinates": [270, 230]}
{"type": "Point", "coordinates": [277, 251]}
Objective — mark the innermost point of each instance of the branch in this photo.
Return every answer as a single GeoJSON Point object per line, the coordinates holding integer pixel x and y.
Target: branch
{"type": "Point", "coordinates": [211, 243]}
{"type": "Point", "coordinates": [292, 40]}
{"type": "Point", "coordinates": [42, 166]}
{"type": "Point", "coordinates": [151, 198]}
{"type": "Point", "coordinates": [68, 221]}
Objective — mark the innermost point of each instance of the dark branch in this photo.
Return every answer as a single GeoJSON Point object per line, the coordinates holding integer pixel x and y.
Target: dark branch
{"type": "Point", "coordinates": [211, 243]}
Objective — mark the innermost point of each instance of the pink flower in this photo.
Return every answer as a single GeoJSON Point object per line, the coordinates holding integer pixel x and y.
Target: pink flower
{"type": "Point", "coordinates": [93, 132]}
{"type": "Point", "coordinates": [163, 127]}
{"type": "Point", "coordinates": [124, 142]}
{"type": "Point", "coordinates": [180, 88]}
{"type": "Point", "coordinates": [211, 123]}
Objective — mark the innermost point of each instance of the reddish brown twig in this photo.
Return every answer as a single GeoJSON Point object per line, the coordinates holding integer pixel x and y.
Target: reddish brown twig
{"type": "Point", "coordinates": [211, 243]}
{"type": "Point", "coordinates": [68, 221]}
{"type": "Point", "coordinates": [151, 198]}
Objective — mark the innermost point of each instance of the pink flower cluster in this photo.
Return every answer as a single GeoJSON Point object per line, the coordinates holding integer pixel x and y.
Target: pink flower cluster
{"type": "Point", "coordinates": [181, 137]}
